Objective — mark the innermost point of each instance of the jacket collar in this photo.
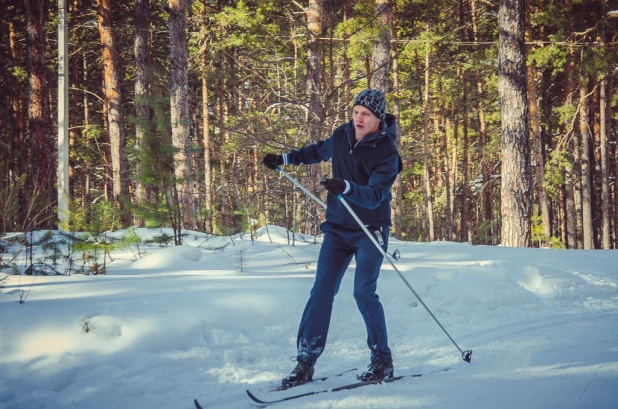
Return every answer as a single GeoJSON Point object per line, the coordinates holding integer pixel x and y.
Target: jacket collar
{"type": "Point", "coordinates": [388, 129]}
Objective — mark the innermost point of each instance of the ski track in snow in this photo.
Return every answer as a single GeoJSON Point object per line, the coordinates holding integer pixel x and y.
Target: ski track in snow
{"type": "Point", "coordinates": [185, 322]}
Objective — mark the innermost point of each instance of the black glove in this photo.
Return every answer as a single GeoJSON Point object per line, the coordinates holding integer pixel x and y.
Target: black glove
{"type": "Point", "coordinates": [334, 186]}
{"type": "Point", "coordinates": [272, 161]}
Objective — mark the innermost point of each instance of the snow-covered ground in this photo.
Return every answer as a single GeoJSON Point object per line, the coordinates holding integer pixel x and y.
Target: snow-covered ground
{"type": "Point", "coordinates": [219, 315]}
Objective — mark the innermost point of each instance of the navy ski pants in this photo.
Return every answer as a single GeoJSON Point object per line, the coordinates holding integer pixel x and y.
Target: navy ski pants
{"type": "Point", "coordinates": [339, 246]}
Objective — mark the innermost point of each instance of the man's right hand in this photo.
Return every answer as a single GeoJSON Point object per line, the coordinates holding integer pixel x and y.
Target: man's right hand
{"type": "Point", "coordinates": [272, 161]}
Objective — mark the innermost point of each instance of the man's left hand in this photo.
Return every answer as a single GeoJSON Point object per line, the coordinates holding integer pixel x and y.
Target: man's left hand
{"type": "Point", "coordinates": [334, 186]}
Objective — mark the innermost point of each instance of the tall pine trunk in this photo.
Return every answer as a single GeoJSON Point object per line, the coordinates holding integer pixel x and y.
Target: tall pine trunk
{"type": "Point", "coordinates": [613, 200]}
{"type": "Point", "coordinates": [454, 161]}
{"type": "Point", "coordinates": [447, 176]}
{"type": "Point", "coordinates": [142, 87]}
{"type": "Point", "coordinates": [113, 100]}
{"type": "Point", "coordinates": [38, 98]}
{"type": "Point", "coordinates": [74, 132]}
{"type": "Point", "coordinates": [179, 109]}
{"type": "Point", "coordinates": [588, 231]}
{"type": "Point", "coordinates": [571, 193]}
{"type": "Point", "coordinates": [398, 185]}
{"type": "Point", "coordinates": [224, 208]}
{"type": "Point", "coordinates": [380, 55]}
{"type": "Point", "coordinates": [18, 151]}
{"type": "Point", "coordinates": [605, 190]}
{"type": "Point", "coordinates": [485, 155]}
{"type": "Point", "coordinates": [536, 135]}
{"type": "Point", "coordinates": [515, 143]}
{"type": "Point", "coordinates": [86, 173]}
{"type": "Point", "coordinates": [208, 194]}
{"type": "Point", "coordinates": [463, 74]}
{"type": "Point", "coordinates": [316, 115]}
{"type": "Point", "coordinates": [427, 191]}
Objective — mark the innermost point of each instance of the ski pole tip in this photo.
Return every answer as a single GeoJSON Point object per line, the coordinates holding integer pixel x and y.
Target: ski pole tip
{"type": "Point", "coordinates": [467, 356]}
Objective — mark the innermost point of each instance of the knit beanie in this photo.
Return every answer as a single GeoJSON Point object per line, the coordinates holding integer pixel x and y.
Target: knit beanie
{"type": "Point", "coordinates": [373, 100]}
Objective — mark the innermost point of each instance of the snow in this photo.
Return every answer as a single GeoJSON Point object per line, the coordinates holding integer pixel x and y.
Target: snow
{"type": "Point", "coordinates": [219, 315]}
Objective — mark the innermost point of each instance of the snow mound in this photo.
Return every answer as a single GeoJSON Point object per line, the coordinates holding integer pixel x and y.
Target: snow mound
{"type": "Point", "coordinates": [177, 258]}
{"type": "Point", "coordinates": [279, 235]}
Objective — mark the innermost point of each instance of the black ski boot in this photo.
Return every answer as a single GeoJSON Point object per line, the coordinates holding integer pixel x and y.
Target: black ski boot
{"type": "Point", "coordinates": [377, 371]}
{"type": "Point", "coordinates": [303, 372]}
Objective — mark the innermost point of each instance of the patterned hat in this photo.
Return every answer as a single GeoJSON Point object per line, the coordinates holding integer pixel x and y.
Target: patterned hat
{"type": "Point", "coordinates": [373, 100]}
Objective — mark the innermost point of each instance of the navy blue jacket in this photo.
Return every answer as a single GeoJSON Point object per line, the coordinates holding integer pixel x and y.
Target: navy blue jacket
{"type": "Point", "coordinates": [370, 167]}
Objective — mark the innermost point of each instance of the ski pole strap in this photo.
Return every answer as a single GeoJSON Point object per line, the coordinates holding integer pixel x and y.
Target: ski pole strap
{"type": "Point", "coordinates": [396, 255]}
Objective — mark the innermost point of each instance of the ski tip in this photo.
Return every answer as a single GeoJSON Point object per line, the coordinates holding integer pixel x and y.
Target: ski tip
{"type": "Point", "coordinates": [255, 399]}
{"type": "Point", "coordinates": [197, 405]}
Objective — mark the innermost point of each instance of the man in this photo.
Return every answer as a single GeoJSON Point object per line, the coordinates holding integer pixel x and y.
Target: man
{"type": "Point", "coordinates": [365, 163]}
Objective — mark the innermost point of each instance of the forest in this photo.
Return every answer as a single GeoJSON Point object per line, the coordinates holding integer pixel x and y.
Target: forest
{"type": "Point", "coordinates": [173, 104]}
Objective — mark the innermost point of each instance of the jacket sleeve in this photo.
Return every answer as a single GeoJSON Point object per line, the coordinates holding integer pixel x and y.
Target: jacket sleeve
{"type": "Point", "coordinates": [310, 154]}
{"type": "Point", "coordinates": [380, 182]}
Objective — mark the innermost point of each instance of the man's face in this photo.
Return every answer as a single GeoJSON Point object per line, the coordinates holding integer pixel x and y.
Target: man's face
{"type": "Point", "coordinates": [365, 122]}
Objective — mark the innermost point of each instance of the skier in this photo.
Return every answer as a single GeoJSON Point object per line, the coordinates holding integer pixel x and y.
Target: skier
{"type": "Point", "coordinates": [365, 163]}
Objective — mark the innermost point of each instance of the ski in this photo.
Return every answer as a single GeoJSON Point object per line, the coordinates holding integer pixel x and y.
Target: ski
{"type": "Point", "coordinates": [283, 388]}
{"type": "Point", "coordinates": [264, 403]}
{"type": "Point", "coordinates": [338, 374]}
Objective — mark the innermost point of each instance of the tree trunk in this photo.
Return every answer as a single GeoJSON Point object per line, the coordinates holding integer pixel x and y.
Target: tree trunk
{"type": "Point", "coordinates": [75, 132]}
{"type": "Point", "coordinates": [612, 82]}
{"type": "Point", "coordinates": [447, 176]}
{"type": "Point", "coordinates": [316, 115]}
{"type": "Point", "coordinates": [18, 151]}
{"type": "Point", "coordinates": [86, 171]}
{"type": "Point", "coordinates": [571, 193]}
{"type": "Point", "coordinates": [179, 109]}
{"type": "Point", "coordinates": [314, 24]}
{"type": "Point", "coordinates": [515, 142]}
{"type": "Point", "coordinates": [605, 190]}
{"type": "Point", "coordinates": [113, 100]}
{"type": "Point", "coordinates": [536, 135]}
{"type": "Point", "coordinates": [585, 162]}
{"type": "Point", "coordinates": [536, 142]}
{"type": "Point", "coordinates": [142, 88]}
{"type": "Point", "coordinates": [485, 156]}
{"type": "Point", "coordinates": [38, 98]}
{"type": "Point", "coordinates": [595, 163]}
{"type": "Point", "coordinates": [465, 188]}
{"type": "Point", "coordinates": [380, 56]}
{"type": "Point", "coordinates": [426, 176]}
{"type": "Point", "coordinates": [463, 74]}
{"type": "Point", "coordinates": [454, 160]}
{"type": "Point", "coordinates": [346, 59]}
{"type": "Point", "coordinates": [222, 156]}
{"type": "Point", "coordinates": [398, 185]}
{"type": "Point", "coordinates": [570, 207]}
{"type": "Point", "coordinates": [208, 195]}
{"type": "Point", "coordinates": [577, 190]}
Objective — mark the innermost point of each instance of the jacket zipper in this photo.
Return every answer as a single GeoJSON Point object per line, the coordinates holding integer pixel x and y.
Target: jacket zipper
{"type": "Point", "coordinates": [358, 142]}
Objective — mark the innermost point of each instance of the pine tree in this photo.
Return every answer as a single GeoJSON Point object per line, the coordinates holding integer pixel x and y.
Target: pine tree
{"type": "Point", "coordinates": [516, 201]}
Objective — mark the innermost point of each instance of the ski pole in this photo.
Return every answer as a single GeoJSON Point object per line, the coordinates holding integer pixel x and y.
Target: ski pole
{"type": "Point", "coordinates": [465, 355]}
{"type": "Point", "coordinates": [301, 187]}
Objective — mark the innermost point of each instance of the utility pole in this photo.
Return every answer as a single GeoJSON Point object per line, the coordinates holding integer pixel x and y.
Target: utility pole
{"type": "Point", "coordinates": [63, 116]}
